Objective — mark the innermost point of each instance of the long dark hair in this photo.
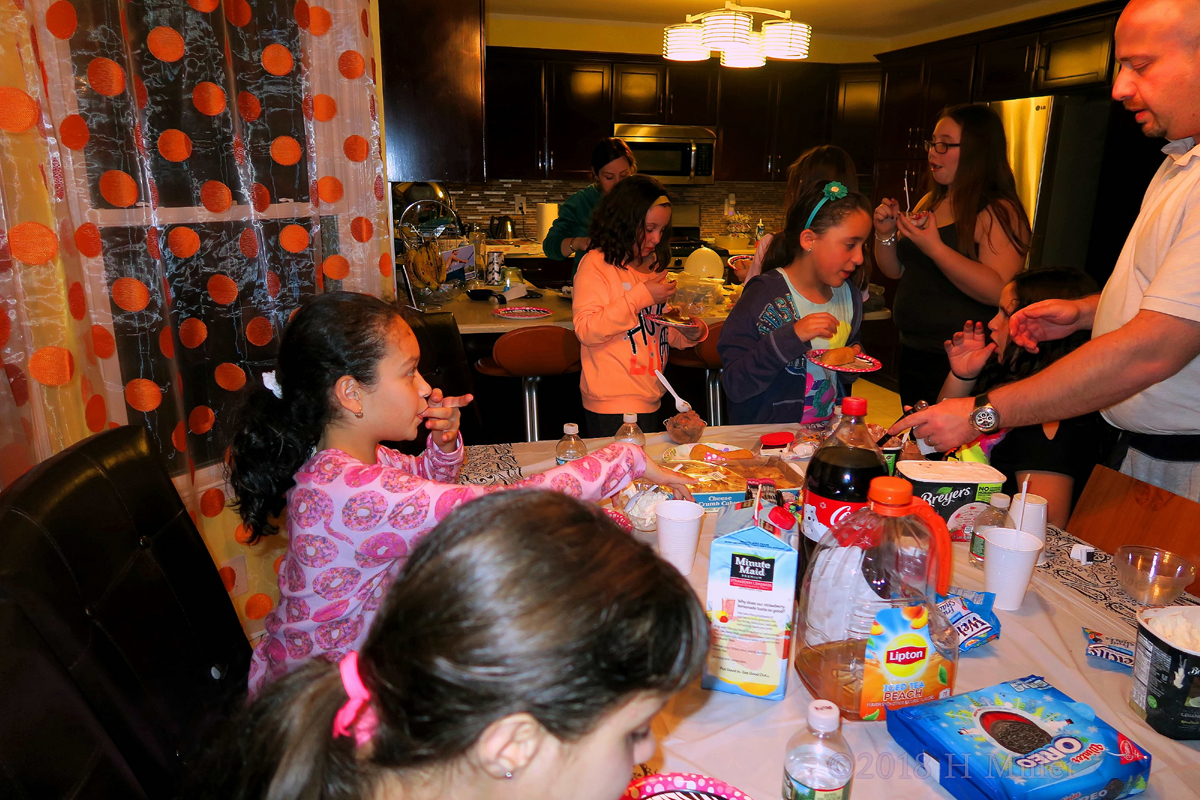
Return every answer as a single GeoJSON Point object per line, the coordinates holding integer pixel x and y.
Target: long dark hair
{"type": "Point", "coordinates": [820, 164]}
{"type": "Point", "coordinates": [1032, 287]}
{"type": "Point", "coordinates": [619, 222]}
{"type": "Point", "coordinates": [331, 335]}
{"type": "Point", "coordinates": [523, 601]}
{"type": "Point", "coordinates": [984, 180]}
{"type": "Point", "coordinates": [608, 150]}
{"type": "Point", "coordinates": [786, 243]}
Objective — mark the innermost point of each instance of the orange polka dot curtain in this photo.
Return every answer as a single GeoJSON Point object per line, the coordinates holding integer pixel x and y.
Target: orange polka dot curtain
{"type": "Point", "coordinates": [175, 177]}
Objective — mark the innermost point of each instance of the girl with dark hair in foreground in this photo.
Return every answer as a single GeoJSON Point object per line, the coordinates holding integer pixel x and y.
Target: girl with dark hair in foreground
{"type": "Point", "coordinates": [347, 380]}
{"type": "Point", "coordinates": [521, 653]}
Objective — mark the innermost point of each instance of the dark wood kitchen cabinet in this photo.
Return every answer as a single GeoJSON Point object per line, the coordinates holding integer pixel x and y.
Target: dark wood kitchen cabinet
{"type": "Point", "coordinates": [432, 82]}
{"type": "Point", "coordinates": [516, 118]}
{"type": "Point", "coordinates": [856, 119]}
{"type": "Point", "coordinates": [1073, 56]}
{"type": "Point", "coordinates": [744, 136]}
{"type": "Point", "coordinates": [1004, 69]}
{"type": "Point", "coordinates": [804, 100]}
{"type": "Point", "coordinates": [900, 117]}
{"type": "Point", "coordinates": [947, 83]}
{"type": "Point", "coordinates": [692, 95]}
{"type": "Point", "coordinates": [578, 114]}
{"type": "Point", "coordinates": [639, 93]}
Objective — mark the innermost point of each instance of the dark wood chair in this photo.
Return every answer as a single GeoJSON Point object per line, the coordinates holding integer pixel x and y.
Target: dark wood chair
{"type": "Point", "coordinates": [531, 354]}
{"type": "Point", "coordinates": [1116, 509]}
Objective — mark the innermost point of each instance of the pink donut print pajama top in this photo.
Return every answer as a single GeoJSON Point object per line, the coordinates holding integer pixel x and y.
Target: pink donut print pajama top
{"type": "Point", "coordinates": [351, 526]}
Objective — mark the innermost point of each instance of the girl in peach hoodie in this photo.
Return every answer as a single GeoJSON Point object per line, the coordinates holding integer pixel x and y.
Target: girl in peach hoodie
{"type": "Point", "coordinates": [621, 288]}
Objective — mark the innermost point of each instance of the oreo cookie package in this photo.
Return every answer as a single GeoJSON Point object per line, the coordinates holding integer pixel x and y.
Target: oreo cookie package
{"type": "Point", "coordinates": [1021, 740]}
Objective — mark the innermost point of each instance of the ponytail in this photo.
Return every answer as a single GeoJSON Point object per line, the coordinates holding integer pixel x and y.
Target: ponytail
{"type": "Point", "coordinates": [335, 334]}
{"type": "Point", "coordinates": [785, 245]}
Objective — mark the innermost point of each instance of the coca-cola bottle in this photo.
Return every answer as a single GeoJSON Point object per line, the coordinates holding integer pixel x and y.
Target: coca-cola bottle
{"type": "Point", "coordinates": [839, 476]}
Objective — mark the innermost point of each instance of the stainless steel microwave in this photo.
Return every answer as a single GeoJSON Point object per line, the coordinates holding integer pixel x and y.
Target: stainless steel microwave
{"type": "Point", "coordinates": [672, 153]}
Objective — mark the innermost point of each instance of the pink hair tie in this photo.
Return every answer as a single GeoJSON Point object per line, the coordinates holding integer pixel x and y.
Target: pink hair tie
{"type": "Point", "coordinates": [347, 721]}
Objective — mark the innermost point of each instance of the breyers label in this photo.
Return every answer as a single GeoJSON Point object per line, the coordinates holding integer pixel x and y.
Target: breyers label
{"type": "Point", "coordinates": [752, 572]}
{"type": "Point", "coordinates": [821, 514]}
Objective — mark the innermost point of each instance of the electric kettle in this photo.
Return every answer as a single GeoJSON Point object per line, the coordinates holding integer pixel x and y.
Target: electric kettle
{"type": "Point", "coordinates": [502, 227]}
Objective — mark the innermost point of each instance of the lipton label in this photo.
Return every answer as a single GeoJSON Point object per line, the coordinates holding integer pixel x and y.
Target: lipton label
{"type": "Point", "coordinates": [901, 665]}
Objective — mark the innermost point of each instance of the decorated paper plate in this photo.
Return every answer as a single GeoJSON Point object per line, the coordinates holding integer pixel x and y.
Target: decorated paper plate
{"type": "Point", "coordinates": [682, 786]}
{"type": "Point", "coordinates": [683, 452]}
{"type": "Point", "coordinates": [671, 323]}
{"type": "Point", "coordinates": [522, 312]}
{"type": "Point", "coordinates": [861, 363]}
{"type": "Point", "coordinates": [740, 262]}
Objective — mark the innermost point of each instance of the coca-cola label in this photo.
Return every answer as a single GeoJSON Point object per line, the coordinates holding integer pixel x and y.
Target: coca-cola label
{"type": "Point", "coordinates": [821, 514]}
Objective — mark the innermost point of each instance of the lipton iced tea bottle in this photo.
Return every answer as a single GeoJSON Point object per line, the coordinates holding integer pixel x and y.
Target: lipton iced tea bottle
{"type": "Point", "coordinates": [839, 475]}
{"type": "Point", "coordinates": [868, 634]}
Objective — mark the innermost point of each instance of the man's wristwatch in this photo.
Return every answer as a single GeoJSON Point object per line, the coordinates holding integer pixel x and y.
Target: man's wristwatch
{"type": "Point", "coordinates": [985, 418]}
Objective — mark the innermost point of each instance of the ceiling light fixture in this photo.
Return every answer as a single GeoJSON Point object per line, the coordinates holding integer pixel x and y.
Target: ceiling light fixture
{"type": "Point", "coordinates": [685, 43]}
{"type": "Point", "coordinates": [731, 31]}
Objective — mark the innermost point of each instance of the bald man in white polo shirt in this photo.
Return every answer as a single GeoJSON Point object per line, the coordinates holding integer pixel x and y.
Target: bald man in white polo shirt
{"type": "Point", "coordinates": [1142, 366]}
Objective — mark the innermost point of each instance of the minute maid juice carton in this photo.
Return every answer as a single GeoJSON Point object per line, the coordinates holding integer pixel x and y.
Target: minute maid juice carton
{"type": "Point", "coordinates": [751, 594]}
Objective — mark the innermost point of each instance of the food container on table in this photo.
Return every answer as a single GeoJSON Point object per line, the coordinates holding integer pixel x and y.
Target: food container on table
{"type": "Point", "coordinates": [1166, 671]}
{"type": "Point", "coordinates": [685, 428]}
{"type": "Point", "coordinates": [719, 485]}
{"type": "Point", "coordinates": [696, 296]}
{"type": "Point", "coordinates": [1150, 575]}
{"type": "Point", "coordinates": [958, 490]}
{"type": "Point", "coordinates": [869, 635]}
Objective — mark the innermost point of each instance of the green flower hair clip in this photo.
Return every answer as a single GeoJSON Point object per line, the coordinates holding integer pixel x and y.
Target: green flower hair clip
{"type": "Point", "coordinates": [833, 191]}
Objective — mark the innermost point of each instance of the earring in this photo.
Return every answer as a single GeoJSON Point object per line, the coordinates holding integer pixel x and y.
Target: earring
{"type": "Point", "coordinates": [358, 414]}
{"type": "Point", "coordinates": [508, 775]}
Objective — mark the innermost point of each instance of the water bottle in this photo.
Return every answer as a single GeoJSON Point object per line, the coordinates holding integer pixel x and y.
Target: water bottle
{"type": "Point", "coordinates": [630, 432]}
{"type": "Point", "coordinates": [991, 517]}
{"type": "Point", "coordinates": [818, 762]}
{"type": "Point", "coordinates": [570, 446]}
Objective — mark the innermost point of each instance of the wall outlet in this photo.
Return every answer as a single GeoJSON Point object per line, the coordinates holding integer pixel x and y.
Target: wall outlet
{"type": "Point", "coordinates": [520, 204]}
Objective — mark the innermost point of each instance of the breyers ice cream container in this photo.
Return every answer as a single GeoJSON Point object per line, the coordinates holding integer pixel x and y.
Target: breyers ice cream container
{"type": "Point", "coordinates": [1166, 670]}
{"type": "Point", "coordinates": [958, 490]}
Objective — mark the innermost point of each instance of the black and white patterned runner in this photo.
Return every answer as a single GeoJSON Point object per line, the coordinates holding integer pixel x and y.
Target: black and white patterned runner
{"type": "Point", "coordinates": [488, 464]}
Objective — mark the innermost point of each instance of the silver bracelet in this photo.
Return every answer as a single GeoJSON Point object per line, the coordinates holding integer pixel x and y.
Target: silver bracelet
{"type": "Point", "coordinates": [889, 241]}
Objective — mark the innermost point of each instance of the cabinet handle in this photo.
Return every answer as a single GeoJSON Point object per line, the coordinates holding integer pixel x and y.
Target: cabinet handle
{"type": "Point", "coordinates": [551, 159]}
{"type": "Point", "coordinates": [671, 106]}
{"type": "Point", "coordinates": [541, 160]}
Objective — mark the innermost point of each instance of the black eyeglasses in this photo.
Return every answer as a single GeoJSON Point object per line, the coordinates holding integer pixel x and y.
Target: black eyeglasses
{"type": "Point", "coordinates": [941, 148]}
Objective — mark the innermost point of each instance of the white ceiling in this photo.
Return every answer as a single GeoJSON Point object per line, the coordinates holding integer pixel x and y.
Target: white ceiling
{"type": "Point", "coordinates": [874, 19]}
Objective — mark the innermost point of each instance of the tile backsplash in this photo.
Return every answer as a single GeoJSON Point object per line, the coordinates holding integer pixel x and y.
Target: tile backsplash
{"type": "Point", "coordinates": [478, 202]}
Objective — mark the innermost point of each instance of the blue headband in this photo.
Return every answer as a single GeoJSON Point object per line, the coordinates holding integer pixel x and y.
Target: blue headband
{"type": "Point", "coordinates": [833, 191]}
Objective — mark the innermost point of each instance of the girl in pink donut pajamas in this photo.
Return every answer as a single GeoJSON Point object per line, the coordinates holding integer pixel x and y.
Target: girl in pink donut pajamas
{"type": "Point", "coordinates": [309, 441]}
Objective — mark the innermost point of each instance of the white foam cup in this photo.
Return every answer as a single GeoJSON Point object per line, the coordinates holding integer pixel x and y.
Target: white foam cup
{"type": "Point", "coordinates": [679, 524]}
{"type": "Point", "coordinates": [1008, 568]}
{"type": "Point", "coordinates": [1034, 520]}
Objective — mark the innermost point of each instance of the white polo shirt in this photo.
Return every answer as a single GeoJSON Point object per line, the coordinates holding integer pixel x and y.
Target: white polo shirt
{"type": "Point", "coordinates": [1159, 270]}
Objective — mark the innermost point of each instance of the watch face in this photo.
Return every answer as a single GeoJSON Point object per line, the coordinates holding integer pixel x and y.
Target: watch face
{"type": "Point", "coordinates": [986, 419]}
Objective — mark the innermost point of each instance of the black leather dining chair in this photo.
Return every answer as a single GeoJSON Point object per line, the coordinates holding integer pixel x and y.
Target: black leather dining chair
{"type": "Point", "coordinates": [131, 652]}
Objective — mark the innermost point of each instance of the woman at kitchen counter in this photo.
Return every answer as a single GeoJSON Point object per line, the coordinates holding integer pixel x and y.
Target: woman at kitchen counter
{"type": "Point", "coordinates": [612, 162]}
{"type": "Point", "coordinates": [964, 242]}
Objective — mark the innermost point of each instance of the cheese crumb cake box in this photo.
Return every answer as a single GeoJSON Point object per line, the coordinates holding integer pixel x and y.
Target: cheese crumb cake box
{"type": "Point", "coordinates": [1021, 740]}
{"type": "Point", "coordinates": [751, 593]}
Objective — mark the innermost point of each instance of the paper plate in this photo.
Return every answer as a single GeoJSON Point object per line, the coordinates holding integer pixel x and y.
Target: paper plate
{"type": "Point", "coordinates": [522, 312]}
{"type": "Point", "coordinates": [682, 786]}
{"type": "Point", "coordinates": [683, 452]}
{"type": "Point", "coordinates": [670, 323]}
{"type": "Point", "coordinates": [861, 363]}
{"type": "Point", "coordinates": [740, 261]}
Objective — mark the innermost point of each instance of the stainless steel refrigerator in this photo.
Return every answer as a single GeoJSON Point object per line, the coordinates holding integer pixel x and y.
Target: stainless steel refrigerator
{"type": "Point", "coordinates": [1056, 149]}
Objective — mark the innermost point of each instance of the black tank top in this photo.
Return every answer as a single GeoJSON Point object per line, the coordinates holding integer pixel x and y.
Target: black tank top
{"type": "Point", "coordinates": [929, 308]}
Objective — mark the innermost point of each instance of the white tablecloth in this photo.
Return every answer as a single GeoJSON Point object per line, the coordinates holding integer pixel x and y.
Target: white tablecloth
{"type": "Point", "coordinates": [741, 740]}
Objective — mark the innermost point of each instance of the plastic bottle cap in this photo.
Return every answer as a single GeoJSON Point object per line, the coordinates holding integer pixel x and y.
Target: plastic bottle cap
{"type": "Point", "coordinates": [823, 716]}
{"type": "Point", "coordinates": [891, 491]}
{"type": "Point", "coordinates": [778, 439]}
{"type": "Point", "coordinates": [782, 518]}
{"type": "Point", "coordinates": [629, 419]}
{"type": "Point", "coordinates": [854, 406]}
{"type": "Point", "coordinates": [571, 429]}
{"type": "Point", "coordinates": [1001, 500]}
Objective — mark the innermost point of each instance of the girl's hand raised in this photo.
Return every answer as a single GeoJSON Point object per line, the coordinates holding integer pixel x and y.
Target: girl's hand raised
{"type": "Point", "coordinates": [925, 236]}
{"type": "Point", "coordinates": [443, 415]}
{"type": "Point", "coordinates": [661, 289]}
{"type": "Point", "coordinates": [821, 325]}
{"type": "Point", "coordinates": [969, 351]}
{"type": "Point", "coordinates": [678, 484]}
{"type": "Point", "coordinates": [885, 217]}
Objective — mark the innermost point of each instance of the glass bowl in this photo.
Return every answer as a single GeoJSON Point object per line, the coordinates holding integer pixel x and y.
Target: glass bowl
{"type": "Point", "coordinates": [1150, 575]}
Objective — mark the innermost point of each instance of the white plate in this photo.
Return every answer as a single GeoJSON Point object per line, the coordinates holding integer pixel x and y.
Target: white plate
{"type": "Point", "coordinates": [682, 452]}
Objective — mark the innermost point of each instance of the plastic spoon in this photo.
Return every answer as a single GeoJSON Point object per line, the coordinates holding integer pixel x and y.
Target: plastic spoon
{"type": "Point", "coordinates": [681, 405]}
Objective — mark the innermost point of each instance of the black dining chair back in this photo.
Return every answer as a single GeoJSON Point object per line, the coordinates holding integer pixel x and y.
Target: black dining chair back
{"type": "Point", "coordinates": [107, 580]}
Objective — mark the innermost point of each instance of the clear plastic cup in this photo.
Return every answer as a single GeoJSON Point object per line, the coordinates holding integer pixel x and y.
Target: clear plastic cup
{"type": "Point", "coordinates": [679, 524]}
{"type": "Point", "coordinates": [1034, 520]}
{"type": "Point", "coordinates": [1008, 568]}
